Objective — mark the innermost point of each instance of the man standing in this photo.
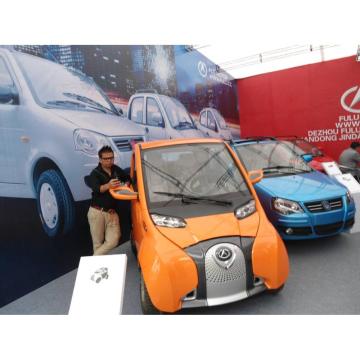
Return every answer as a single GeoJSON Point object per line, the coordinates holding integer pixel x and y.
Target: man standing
{"type": "Point", "coordinates": [103, 219]}
{"type": "Point", "coordinates": [350, 158]}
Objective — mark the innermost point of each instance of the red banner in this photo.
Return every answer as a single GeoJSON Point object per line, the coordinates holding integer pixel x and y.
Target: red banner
{"type": "Point", "coordinates": [320, 102]}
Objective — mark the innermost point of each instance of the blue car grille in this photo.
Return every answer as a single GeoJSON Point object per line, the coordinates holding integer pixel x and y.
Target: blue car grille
{"type": "Point", "coordinates": [324, 205]}
{"type": "Point", "coordinates": [125, 144]}
{"type": "Point", "coordinates": [328, 229]}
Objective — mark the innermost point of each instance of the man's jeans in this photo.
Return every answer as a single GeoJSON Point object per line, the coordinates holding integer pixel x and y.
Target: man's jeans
{"type": "Point", "coordinates": [104, 229]}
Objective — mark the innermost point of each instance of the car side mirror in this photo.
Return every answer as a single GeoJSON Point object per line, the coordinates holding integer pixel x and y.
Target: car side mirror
{"type": "Point", "coordinates": [307, 157]}
{"type": "Point", "coordinates": [255, 176]}
{"type": "Point", "coordinates": [124, 193]}
{"type": "Point", "coordinates": [8, 95]}
{"type": "Point", "coordinates": [119, 110]}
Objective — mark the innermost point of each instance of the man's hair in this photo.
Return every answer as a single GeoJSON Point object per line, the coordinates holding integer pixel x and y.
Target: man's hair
{"type": "Point", "coordinates": [105, 149]}
{"type": "Point", "coordinates": [354, 145]}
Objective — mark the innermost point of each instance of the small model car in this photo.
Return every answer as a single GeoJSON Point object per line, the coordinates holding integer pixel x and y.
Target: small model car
{"type": "Point", "coordinates": [213, 124]}
{"type": "Point", "coordinates": [300, 202]}
{"type": "Point", "coordinates": [303, 147]}
{"type": "Point", "coordinates": [100, 274]}
{"type": "Point", "coordinates": [199, 231]}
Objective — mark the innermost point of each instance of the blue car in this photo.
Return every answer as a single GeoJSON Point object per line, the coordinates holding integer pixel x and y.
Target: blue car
{"type": "Point", "coordinates": [301, 203]}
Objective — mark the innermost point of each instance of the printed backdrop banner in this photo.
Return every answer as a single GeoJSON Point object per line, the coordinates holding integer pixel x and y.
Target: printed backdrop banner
{"type": "Point", "coordinates": [59, 104]}
{"type": "Point", "coordinates": [320, 102]}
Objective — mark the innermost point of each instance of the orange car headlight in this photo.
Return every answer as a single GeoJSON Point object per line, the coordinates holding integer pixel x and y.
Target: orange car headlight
{"type": "Point", "coordinates": [168, 221]}
{"type": "Point", "coordinates": [245, 210]}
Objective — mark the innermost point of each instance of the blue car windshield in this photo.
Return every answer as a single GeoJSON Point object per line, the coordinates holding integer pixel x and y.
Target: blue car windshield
{"type": "Point", "coordinates": [55, 85]}
{"type": "Point", "coordinates": [293, 147]}
{"type": "Point", "coordinates": [272, 157]}
{"type": "Point", "coordinates": [177, 114]}
{"type": "Point", "coordinates": [307, 147]}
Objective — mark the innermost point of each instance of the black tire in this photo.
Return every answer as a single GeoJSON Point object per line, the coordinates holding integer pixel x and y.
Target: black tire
{"type": "Point", "coordinates": [132, 244]}
{"type": "Point", "coordinates": [276, 291]}
{"type": "Point", "coordinates": [147, 306]}
{"type": "Point", "coordinates": [63, 219]}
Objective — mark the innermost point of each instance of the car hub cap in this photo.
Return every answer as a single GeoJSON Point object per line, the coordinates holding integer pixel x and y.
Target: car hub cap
{"type": "Point", "coordinates": [49, 205]}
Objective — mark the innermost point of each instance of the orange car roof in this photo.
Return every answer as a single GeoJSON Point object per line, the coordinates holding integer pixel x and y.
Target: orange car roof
{"type": "Point", "coordinates": [161, 143]}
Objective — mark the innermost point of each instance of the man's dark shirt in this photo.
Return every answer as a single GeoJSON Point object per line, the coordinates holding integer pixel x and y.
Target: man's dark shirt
{"type": "Point", "coordinates": [99, 177]}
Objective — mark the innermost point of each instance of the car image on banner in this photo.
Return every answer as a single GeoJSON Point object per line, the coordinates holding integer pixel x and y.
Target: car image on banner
{"type": "Point", "coordinates": [53, 120]}
{"type": "Point", "coordinates": [300, 202]}
{"type": "Point", "coordinates": [59, 104]}
{"type": "Point", "coordinates": [161, 116]}
{"type": "Point", "coordinates": [212, 124]}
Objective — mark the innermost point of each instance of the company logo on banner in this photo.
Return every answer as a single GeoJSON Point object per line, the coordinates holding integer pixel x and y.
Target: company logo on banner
{"type": "Point", "coordinates": [202, 69]}
{"type": "Point", "coordinates": [355, 100]}
{"type": "Point", "coordinates": [347, 126]}
{"type": "Point", "coordinates": [211, 73]}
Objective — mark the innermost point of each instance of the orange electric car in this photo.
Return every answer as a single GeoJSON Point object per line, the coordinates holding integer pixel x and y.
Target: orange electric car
{"type": "Point", "coordinates": [199, 231]}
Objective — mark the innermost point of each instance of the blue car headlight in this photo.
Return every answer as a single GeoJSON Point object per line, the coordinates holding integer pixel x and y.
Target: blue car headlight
{"type": "Point", "coordinates": [286, 207]}
{"type": "Point", "coordinates": [349, 198]}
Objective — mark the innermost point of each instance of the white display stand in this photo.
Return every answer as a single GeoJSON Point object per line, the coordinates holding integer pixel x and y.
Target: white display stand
{"type": "Point", "coordinates": [356, 227]}
{"type": "Point", "coordinates": [348, 180]}
{"type": "Point", "coordinates": [331, 168]}
{"type": "Point", "coordinates": [99, 285]}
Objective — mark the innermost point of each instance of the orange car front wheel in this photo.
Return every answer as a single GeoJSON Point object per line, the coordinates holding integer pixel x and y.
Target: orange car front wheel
{"type": "Point", "coordinates": [276, 291]}
{"type": "Point", "coordinates": [146, 305]}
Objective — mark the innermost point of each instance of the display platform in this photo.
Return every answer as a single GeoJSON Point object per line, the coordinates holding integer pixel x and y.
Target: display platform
{"type": "Point", "coordinates": [324, 279]}
{"type": "Point", "coordinates": [348, 180]}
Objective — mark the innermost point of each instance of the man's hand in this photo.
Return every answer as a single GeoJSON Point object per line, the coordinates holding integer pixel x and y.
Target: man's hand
{"type": "Point", "coordinates": [113, 183]}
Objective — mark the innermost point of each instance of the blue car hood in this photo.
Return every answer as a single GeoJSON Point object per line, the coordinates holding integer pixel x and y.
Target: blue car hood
{"type": "Point", "coordinates": [302, 187]}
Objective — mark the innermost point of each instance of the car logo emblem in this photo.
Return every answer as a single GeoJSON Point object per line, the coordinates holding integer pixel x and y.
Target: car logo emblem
{"type": "Point", "coordinates": [223, 253]}
{"type": "Point", "coordinates": [224, 257]}
{"type": "Point", "coordinates": [355, 100]}
{"type": "Point", "coordinates": [202, 69]}
{"type": "Point", "coordinates": [326, 205]}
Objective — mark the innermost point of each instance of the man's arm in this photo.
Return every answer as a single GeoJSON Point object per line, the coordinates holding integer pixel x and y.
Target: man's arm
{"type": "Point", "coordinates": [111, 184]}
{"type": "Point", "coordinates": [93, 181]}
{"type": "Point", "coordinates": [356, 157]}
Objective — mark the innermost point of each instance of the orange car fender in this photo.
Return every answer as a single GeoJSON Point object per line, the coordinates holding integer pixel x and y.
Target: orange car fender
{"type": "Point", "coordinates": [169, 273]}
{"type": "Point", "coordinates": [269, 256]}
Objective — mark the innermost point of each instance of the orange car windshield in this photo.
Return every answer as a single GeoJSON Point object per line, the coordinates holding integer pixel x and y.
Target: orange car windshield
{"type": "Point", "coordinates": [193, 170]}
